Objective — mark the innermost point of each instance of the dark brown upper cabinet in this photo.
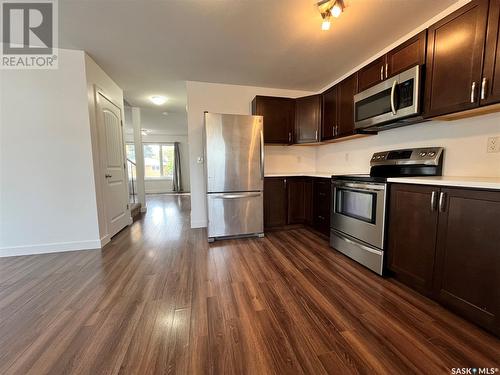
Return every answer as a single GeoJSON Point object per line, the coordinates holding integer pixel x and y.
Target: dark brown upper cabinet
{"type": "Point", "coordinates": [329, 117]}
{"type": "Point", "coordinates": [345, 107]}
{"type": "Point", "coordinates": [455, 49]}
{"type": "Point", "coordinates": [307, 119]}
{"type": "Point", "coordinates": [490, 83]}
{"type": "Point", "coordinates": [279, 114]}
{"type": "Point", "coordinates": [406, 55]}
{"type": "Point", "coordinates": [401, 58]}
{"type": "Point", "coordinates": [371, 74]}
{"type": "Point", "coordinates": [338, 109]}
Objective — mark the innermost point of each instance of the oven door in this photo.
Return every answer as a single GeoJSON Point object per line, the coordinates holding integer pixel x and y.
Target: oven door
{"type": "Point", "coordinates": [358, 210]}
{"type": "Point", "coordinates": [393, 99]}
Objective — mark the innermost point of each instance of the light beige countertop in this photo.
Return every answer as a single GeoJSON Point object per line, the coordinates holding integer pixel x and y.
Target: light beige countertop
{"type": "Point", "coordinates": [302, 174]}
{"type": "Point", "coordinates": [469, 182]}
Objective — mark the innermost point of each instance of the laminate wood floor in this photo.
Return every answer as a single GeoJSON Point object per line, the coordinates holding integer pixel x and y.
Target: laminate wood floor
{"type": "Point", "coordinates": [158, 299]}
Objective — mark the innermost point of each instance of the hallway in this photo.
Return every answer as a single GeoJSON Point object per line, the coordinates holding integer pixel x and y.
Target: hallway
{"type": "Point", "coordinates": [158, 299]}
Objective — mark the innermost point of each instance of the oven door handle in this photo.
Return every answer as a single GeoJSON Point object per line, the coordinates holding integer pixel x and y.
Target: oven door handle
{"type": "Point", "coordinates": [362, 190]}
{"type": "Point", "coordinates": [393, 97]}
{"type": "Point", "coordinates": [360, 187]}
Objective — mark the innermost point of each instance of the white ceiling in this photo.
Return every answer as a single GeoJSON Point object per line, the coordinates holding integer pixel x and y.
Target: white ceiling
{"type": "Point", "coordinates": [152, 47]}
{"type": "Point", "coordinates": [153, 120]}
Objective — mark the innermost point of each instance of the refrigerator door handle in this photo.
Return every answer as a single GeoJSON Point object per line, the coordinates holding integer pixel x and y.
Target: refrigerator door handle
{"type": "Point", "coordinates": [235, 195]}
{"type": "Point", "coordinates": [261, 155]}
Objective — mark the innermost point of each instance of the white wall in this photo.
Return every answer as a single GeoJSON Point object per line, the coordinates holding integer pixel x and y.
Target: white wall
{"type": "Point", "coordinates": [47, 196]}
{"type": "Point", "coordinates": [223, 99]}
{"type": "Point", "coordinates": [464, 142]}
{"type": "Point", "coordinates": [97, 79]}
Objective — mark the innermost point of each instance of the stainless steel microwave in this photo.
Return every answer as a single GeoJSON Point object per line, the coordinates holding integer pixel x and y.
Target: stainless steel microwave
{"type": "Point", "coordinates": [390, 101]}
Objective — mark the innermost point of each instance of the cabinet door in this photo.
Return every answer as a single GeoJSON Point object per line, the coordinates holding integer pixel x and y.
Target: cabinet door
{"type": "Point", "coordinates": [345, 108]}
{"type": "Point", "coordinates": [467, 275]}
{"type": "Point", "coordinates": [321, 211]}
{"type": "Point", "coordinates": [329, 117]}
{"type": "Point", "coordinates": [412, 234]}
{"type": "Point", "coordinates": [278, 118]}
{"type": "Point", "coordinates": [406, 55]}
{"type": "Point", "coordinates": [371, 74]}
{"type": "Point", "coordinates": [308, 201]}
{"type": "Point", "coordinates": [296, 208]}
{"type": "Point", "coordinates": [490, 84]}
{"type": "Point", "coordinates": [454, 60]}
{"type": "Point", "coordinates": [307, 119]}
{"type": "Point", "coordinates": [275, 202]}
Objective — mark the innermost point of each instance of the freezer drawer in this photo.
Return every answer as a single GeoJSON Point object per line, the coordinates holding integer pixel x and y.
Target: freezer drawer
{"type": "Point", "coordinates": [234, 214]}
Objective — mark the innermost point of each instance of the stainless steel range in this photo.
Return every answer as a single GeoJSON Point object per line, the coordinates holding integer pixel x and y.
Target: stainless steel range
{"type": "Point", "coordinates": [359, 202]}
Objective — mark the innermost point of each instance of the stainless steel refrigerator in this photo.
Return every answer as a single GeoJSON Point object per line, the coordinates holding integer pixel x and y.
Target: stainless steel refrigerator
{"type": "Point", "coordinates": [234, 160]}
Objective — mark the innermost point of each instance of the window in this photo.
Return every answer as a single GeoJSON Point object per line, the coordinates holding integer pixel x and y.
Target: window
{"type": "Point", "coordinates": [158, 160]}
{"type": "Point", "coordinates": [130, 151]}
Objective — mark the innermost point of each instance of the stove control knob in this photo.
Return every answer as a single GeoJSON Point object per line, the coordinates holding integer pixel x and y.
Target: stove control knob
{"type": "Point", "coordinates": [431, 154]}
{"type": "Point", "coordinates": [423, 153]}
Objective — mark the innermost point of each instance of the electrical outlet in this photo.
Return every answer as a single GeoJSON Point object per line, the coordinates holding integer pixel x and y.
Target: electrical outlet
{"type": "Point", "coordinates": [493, 144]}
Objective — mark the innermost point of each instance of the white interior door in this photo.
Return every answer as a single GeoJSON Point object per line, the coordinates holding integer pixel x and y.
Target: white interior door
{"type": "Point", "coordinates": [113, 165]}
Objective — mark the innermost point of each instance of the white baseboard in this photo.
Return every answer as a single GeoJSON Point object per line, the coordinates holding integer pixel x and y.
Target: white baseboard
{"type": "Point", "coordinates": [50, 248]}
{"type": "Point", "coordinates": [198, 223]}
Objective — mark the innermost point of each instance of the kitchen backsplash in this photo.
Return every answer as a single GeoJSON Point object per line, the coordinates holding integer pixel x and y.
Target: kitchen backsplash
{"type": "Point", "coordinates": [465, 143]}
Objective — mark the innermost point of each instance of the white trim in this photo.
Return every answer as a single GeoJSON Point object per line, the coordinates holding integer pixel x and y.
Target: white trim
{"type": "Point", "coordinates": [105, 240]}
{"type": "Point", "coordinates": [50, 248]}
{"type": "Point", "coordinates": [198, 223]}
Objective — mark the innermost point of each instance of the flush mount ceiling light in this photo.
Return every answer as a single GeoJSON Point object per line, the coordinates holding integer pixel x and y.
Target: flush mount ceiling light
{"type": "Point", "coordinates": [158, 99]}
{"type": "Point", "coordinates": [329, 8]}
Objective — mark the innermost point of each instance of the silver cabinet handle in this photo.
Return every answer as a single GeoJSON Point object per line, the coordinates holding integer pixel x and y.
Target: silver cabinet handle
{"type": "Point", "coordinates": [386, 69]}
{"type": "Point", "coordinates": [393, 92]}
{"type": "Point", "coordinates": [442, 202]}
{"type": "Point", "coordinates": [316, 134]}
{"type": "Point", "coordinates": [382, 73]}
{"type": "Point", "coordinates": [484, 82]}
{"type": "Point", "coordinates": [261, 154]}
{"type": "Point", "coordinates": [336, 130]}
{"type": "Point", "coordinates": [284, 182]}
{"type": "Point", "coordinates": [433, 200]}
{"type": "Point", "coordinates": [473, 92]}
{"type": "Point", "coordinates": [333, 130]}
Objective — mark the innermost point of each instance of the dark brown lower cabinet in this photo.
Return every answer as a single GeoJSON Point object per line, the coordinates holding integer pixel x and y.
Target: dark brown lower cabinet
{"type": "Point", "coordinates": [467, 272]}
{"type": "Point", "coordinates": [445, 243]}
{"type": "Point", "coordinates": [297, 200]}
{"type": "Point", "coordinates": [412, 235]}
{"type": "Point", "coordinates": [275, 202]}
{"type": "Point", "coordinates": [322, 190]}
